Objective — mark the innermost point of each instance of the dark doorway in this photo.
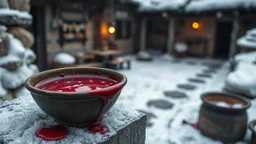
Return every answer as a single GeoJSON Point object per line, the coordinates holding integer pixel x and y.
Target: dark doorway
{"type": "Point", "coordinates": [157, 33]}
{"type": "Point", "coordinates": [38, 30]}
{"type": "Point", "coordinates": [222, 40]}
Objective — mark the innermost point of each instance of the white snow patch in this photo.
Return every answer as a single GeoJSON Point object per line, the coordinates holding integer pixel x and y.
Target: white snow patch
{"type": "Point", "coordinates": [181, 47]}
{"type": "Point", "coordinates": [222, 104]}
{"type": "Point", "coordinates": [243, 79]}
{"type": "Point", "coordinates": [249, 40]}
{"type": "Point", "coordinates": [64, 58]}
{"type": "Point", "coordinates": [237, 106]}
{"type": "Point", "coordinates": [3, 91]}
{"type": "Point", "coordinates": [15, 53]}
{"type": "Point", "coordinates": [246, 57]}
{"type": "Point", "coordinates": [11, 12]}
{"type": "Point", "coordinates": [16, 78]}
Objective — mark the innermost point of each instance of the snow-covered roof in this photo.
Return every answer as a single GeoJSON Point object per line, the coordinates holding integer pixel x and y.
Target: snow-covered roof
{"type": "Point", "coordinates": [160, 5]}
{"type": "Point", "coordinates": [249, 40]}
{"type": "Point", "coordinates": [194, 5]}
{"type": "Point", "coordinates": [212, 5]}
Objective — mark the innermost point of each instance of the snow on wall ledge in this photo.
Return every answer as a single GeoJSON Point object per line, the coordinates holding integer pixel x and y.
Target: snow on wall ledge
{"type": "Point", "coordinates": [21, 118]}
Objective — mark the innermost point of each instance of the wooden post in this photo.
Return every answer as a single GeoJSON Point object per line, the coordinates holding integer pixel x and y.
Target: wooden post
{"type": "Point", "coordinates": [170, 40]}
{"type": "Point", "coordinates": [143, 34]}
{"type": "Point", "coordinates": [234, 34]}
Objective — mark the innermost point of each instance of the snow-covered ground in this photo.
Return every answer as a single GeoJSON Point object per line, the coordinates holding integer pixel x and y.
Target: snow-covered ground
{"type": "Point", "coordinates": [147, 81]}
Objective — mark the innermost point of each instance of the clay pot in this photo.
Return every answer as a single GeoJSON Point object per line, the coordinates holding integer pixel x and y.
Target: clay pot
{"type": "Point", "coordinates": [23, 35]}
{"type": "Point", "coordinates": [78, 109]}
{"type": "Point", "coordinates": [252, 126]}
{"type": "Point", "coordinates": [21, 5]}
{"type": "Point", "coordinates": [223, 123]}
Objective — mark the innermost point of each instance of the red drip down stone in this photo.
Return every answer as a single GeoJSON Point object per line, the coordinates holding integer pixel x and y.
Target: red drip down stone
{"type": "Point", "coordinates": [98, 128]}
{"type": "Point", "coordinates": [52, 133]}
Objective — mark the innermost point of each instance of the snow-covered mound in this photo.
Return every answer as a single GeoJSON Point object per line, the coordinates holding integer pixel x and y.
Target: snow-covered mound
{"type": "Point", "coordinates": [16, 78]}
{"type": "Point", "coordinates": [3, 91]}
{"type": "Point", "coordinates": [243, 80]}
{"type": "Point", "coordinates": [249, 40]}
{"type": "Point", "coordinates": [180, 47]}
{"type": "Point", "coordinates": [247, 57]}
{"type": "Point", "coordinates": [64, 58]}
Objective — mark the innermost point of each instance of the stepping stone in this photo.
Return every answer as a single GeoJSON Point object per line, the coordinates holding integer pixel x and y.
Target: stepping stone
{"type": "Point", "coordinates": [191, 63]}
{"type": "Point", "coordinates": [209, 71]}
{"type": "Point", "coordinates": [175, 61]}
{"type": "Point", "coordinates": [204, 75]}
{"type": "Point", "coordinates": [186, 86]}
{"type": "Point", "coordinates": [175, 94]}
{"type": "Point", "coordinates": [195, 80]}
{"type": "Point", "coordinates": [212, 65]}
{"type": "Point", "coordinates": [149, 117]}
{"type": "Point", "coordinates": [162, 104]}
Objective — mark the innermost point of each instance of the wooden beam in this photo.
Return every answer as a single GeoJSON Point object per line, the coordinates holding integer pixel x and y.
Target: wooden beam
{"type": "Point", "coordinates": [171, 31]}
{"type": "Point", "coordinates": [143, 34]}
{"type": "Point", "coordinates": [234, 35]}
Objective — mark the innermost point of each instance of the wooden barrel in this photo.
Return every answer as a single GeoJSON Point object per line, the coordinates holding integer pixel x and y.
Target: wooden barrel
{"type": "Point", "coordinates": [223, 122]}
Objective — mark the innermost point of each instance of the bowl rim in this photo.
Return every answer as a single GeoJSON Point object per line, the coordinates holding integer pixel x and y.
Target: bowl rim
{"type": "Point", "coordinates": [227, 95]}
{"type": "Point", "coordinates": [34, 89]}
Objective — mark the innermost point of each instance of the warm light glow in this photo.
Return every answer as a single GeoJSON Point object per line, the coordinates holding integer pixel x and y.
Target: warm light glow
{"type": "Point", "coordinates": [111, 30]}
{"type": "Point", "coordinates": [195, 25]}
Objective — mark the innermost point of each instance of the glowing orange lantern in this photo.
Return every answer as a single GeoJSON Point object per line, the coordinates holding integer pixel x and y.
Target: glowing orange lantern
{"type": "Point", "coordinates": [111, 29]}
{"type": "Point", "coordinates": [195, 25]}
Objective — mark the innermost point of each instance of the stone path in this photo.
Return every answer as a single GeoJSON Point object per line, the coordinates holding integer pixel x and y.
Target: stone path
{"type": "Point", "coordinates": [196, 80]}
{"type": "Point", "coordinates": [162, 104]}
{"type": "Point", "coordinates": [175, 94]}
{"type": "Point", "coordinates": [162, 88]}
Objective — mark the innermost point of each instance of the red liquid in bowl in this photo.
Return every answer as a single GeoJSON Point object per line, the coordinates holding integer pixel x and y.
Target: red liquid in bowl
{"type": "Point", "coordinates": [95, 85]}
{"type": "Point", "coordinates": [78, 83]}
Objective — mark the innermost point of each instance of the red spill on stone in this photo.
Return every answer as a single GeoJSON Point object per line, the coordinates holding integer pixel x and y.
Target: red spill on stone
{"type": "Point", "coordinates": [52, 133]}
{"type": "Point", "coordinates": [98, 128]}
{"type": "Point", "coordinates": [194, 125]}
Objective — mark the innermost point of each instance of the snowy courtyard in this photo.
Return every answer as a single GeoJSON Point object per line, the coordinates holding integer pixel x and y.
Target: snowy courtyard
{"type": "Point", "coordinates": [155, 88]}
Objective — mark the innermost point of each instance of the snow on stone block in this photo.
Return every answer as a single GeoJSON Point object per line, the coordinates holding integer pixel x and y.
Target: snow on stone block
{"type": "Point", "coordinates": [12, 17]}
{"type": "Point", "coordinates": [243, 80]}
{"type": "Point", "coordinates": [64, 58]}
{"type": "Point", "coordinates": [247, 57]}
{"type": "Point", "coordinates": [21, 118]}
{"type": "Point", "coordinates": [3, 91]}
{"type": "Point", "coordinates": [249, 40]}
{"type": "Point", "coordinates": [16, 78]}
{"type": "Point", "coordinates": [11, 12]}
